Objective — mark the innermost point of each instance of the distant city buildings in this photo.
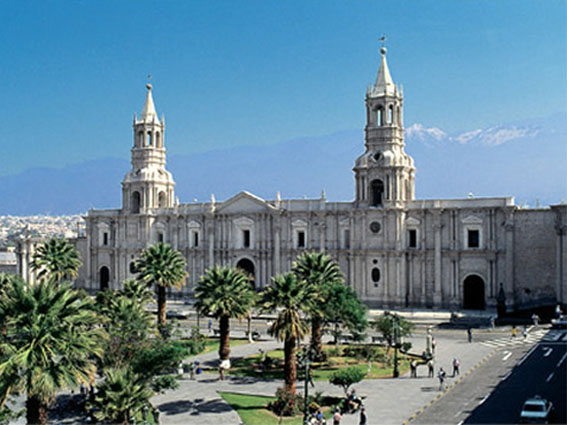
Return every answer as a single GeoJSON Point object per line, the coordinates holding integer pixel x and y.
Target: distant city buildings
{"type": "Point", "coordinates": [394, 250]}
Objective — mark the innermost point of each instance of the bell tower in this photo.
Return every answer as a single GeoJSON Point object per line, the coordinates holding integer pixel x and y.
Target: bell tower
{"type": "Point", "coordinates": [148, 184]}
{"type": "Point", "coordinates": [384, 174]}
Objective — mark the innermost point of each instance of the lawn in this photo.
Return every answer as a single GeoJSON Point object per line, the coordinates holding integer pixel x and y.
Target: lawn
{"type": "Point", "coordinates": [321, 371]}
{"type": "Point", "coordinates": [252, 409]}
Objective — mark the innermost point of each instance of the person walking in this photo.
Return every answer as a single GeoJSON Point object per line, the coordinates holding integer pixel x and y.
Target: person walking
{"type": "Point", "coordinates": [210, 326]}
{"type": "Point", "coordinates": [430, 369]}
{"type": "Point", "coordinates": [413, 368]}
{"type": "Point", "coordinates": [456, 366]}
{"type": "Point", "coordinates": [337, 417]}
{"type": "Point", "coordinates": [433, 345]}
{"type": "Point", "coordinates": [441, 375]}
{"type": "Point", "coordinates": [363, 418]}
{"type": "Point", "coordinates": [514, 331]}
{"type": "Point", "coordinates": [525, 332]}
{"type": "Point", "coordinates": [469, 334]}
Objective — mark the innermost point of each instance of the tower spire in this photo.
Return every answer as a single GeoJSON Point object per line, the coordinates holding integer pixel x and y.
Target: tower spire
{"type": "Point", "coordinates": [384, 83]}
{"type": "Point", "coordinates": [149, 111]}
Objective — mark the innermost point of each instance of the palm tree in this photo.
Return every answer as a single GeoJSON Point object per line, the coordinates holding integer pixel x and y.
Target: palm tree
{"type": "Point", "coordinates": [163, 266]}
{"type": "Point", "coordinates": [321, 272]}
{"type": "Point", "coordinates": [225, 293]}
{"type": "Point", "coordinates": [56, 259]}
{"type": "Point", "coordinates": [289, 296]}
{"type": "Point", "coordinates": [121, 395]}
{"type": "Point", "coordinates": [50, 340]}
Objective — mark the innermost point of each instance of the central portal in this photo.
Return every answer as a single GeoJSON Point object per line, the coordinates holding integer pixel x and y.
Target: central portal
{"type": "Point", "coordinates": [248, 266]}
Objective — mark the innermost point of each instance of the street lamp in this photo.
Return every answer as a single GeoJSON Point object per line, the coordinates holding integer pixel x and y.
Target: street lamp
{"type": "Point", "coordinates": [306, 405]}
{"type": "Point", "coordinates": [395, 329]}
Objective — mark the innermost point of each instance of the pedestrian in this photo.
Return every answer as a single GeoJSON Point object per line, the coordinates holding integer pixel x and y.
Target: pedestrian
{"type": "Point", "coordinates": [514, 331]}
{"type": "Point", "coordinates": [525, 332]}
{"type": "Point", "coordinates": [456, 366]}
{"type": "Point", "coordinates": [492, 323]}
{"type": "Point", "coordinates": [363, 418]}
{"type": "Point", "coordinates": [430, 369]}
{"type": "Point", "coordinates": [210, 326]}
{"type": "Point", "coordinates": [337, 417]}
{"type": "Point", "coordinates": [441, 375]}
{"type": "Point", "coordinates": [433, 344]}
{"type": "Point", "coordinates": [535, 319]}
{"type": "Point", "coordinates": [413, 367]}
{"type": "Point", "coordinates": [469, 334]}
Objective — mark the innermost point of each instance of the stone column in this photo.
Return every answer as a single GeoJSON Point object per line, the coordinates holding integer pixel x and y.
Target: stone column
{"type": "Point", "coordinates": [437, 295]}
{"type": "Point", "coordinates": [509, 284]}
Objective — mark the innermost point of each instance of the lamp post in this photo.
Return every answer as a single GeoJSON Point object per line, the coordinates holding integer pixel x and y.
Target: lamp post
{"type": "Point", "coordinates": [306, 406]}
{"type": "Point", "coordinates": [396, 344]}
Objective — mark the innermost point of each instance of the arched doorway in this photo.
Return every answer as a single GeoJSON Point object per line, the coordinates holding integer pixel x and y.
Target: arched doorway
{"type": "Point", "coordinates": [248, 266]}
{"type": "Point", "coordinates": [473, 293]}
{"type": "Point", "coordinates": [104, 278]}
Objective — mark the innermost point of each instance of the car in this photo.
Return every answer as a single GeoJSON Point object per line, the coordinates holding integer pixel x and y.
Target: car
{"type": "Point", "coordinates": [536, 410]}
{"type": "Point", "coordinates": [560, 322]}
{"type": "Point", "coordinates": [172, 314]}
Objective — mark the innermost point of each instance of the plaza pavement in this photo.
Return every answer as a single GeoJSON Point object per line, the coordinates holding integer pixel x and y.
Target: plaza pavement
{"type": "Point", "coordinates": [387, 401]}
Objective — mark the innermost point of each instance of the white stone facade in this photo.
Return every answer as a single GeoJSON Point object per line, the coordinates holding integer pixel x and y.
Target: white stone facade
{"type": "Point", "coordinates": [394, 250]}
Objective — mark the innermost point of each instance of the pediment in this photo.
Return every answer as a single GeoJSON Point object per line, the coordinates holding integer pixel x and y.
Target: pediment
{"type": "Point", "coordinates": [472, 219]}
{"type": "Point", "coordinates": [344, 222]}
{"type": "Point", "coordinates": [412, 221]}
{"type": "Point", "coordinates": [243, 222]}
{"type": "Point", "coordinates": [299, 223]}
{"type": "Point", "coordinates": [193, 224]}
{"type": "Point", "coordinates": [244, 202]}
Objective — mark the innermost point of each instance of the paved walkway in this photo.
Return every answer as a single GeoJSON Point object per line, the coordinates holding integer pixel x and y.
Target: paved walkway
{"type": "Point", "coordinates": [388, 401]}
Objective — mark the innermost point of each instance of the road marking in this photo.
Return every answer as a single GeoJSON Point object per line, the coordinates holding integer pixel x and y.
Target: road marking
{"type": "Point", "coordinates": [506, 356]}
{"type": "Point", "coordinates": [523, 359]}
{"type": "Point", "coordinates": [460, 423]}
{"type": "Point", "coordinates": [483, 399]}
{"type": "Point", "coordinates": [549, 377]}
{"type": "Point", "coordinates": [548, 352]}
{"type": "Point", "coordinates": [562, 359]}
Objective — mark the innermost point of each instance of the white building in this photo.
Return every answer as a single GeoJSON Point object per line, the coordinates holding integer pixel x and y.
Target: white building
{"type": "Point", "coordinates": [393, 249]}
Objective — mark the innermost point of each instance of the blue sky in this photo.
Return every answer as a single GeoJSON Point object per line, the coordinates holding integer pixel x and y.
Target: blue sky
{"type": "Point", "coordinates": [229, 73]}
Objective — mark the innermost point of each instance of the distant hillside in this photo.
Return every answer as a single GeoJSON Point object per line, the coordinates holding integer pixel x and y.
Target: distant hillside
{"type": "Point", "coordinates": [527, 160]}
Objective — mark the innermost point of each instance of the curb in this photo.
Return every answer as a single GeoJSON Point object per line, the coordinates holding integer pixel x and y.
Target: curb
{"type": "Point", "coordinates": [450, 386]}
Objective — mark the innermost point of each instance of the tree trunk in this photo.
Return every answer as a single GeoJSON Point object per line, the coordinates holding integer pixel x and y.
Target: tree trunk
{"type": "Point", "coordinates": [249, 319]}
{"type": "Point", "coordinates": [161, 305]}
{"type": "Point", "coordinates": [36, 411]}
{"type": "Point", "coordinates": [224, 349]}
{"type": "Point", "coordinates": [317, 336]}
{"type": "Point", "coordinates": [290, 366]}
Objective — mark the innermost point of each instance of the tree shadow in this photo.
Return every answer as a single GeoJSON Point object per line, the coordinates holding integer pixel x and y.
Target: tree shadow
{"type": "Point", "coordinates": [196, 407]}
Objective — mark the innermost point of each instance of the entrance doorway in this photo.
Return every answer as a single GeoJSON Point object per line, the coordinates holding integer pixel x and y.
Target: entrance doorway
{"type": "Point", "coordinates": [104, 278]}
{"type": "Point", "coordinates": [248, 266]}
{"type": "Point", "coordinates": [473, 293]}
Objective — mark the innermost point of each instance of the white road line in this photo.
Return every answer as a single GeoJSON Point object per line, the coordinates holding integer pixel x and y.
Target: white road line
{"type": "Point", "coordinates": [548, 352]}
{"type": "Point", "coordinates": [564, 338]}
{"type": "Point", "coordinates": [562, 359]}
{"type": "Point", "coordinates": [507, 356]}
{"type": "Point", "coordinates": [460, 423]}
{"type": "Point", "coordinates": [549, 377]}
{"type": "Point", "coordinates": [556, 337]}
{"type": "Point", "coordinates": [523, 359]}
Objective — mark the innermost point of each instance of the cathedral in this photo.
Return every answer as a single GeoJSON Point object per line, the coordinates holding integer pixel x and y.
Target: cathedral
{"type": "Point", "coordinates": [394, 250]}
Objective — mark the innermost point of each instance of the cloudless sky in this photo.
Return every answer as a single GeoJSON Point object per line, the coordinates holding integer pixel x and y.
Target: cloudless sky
{"type": "Point", "coordinates": [227, 73]}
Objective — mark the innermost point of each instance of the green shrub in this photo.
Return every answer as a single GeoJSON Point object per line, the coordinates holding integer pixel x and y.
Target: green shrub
{"type": "Point", "coordinates": [333, 352]}
{"type": "Point", "coordinates": [347, 377]}
{"type": "Point", "coordinates": [286, 403]}
{"type": "Point", "coordinates": [364, 352]}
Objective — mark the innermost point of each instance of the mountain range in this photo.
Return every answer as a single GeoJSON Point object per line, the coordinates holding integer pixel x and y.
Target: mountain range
{"type": "Point", "coordinates": [527, 160]}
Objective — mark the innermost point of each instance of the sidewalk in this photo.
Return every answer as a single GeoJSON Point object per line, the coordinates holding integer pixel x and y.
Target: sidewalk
{"type": "Point", "coordinates": [388, 401]}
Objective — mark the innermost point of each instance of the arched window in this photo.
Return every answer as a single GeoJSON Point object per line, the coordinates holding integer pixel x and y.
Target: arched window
{"type": "Point", "coordinates": [379, 116]}
{"type": "Point", "coordinates": [376, 192]}
{"type": "Point", "coordinates": [104, 278]}
{"type": "Point", "coordinates": [390, 114]}
{"type": "Point", "coordinates": [162, 200]}
{"type": "Point", "coordinates": [135, 204]}
{"type": "Point", "coordinates": [149, 140]}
